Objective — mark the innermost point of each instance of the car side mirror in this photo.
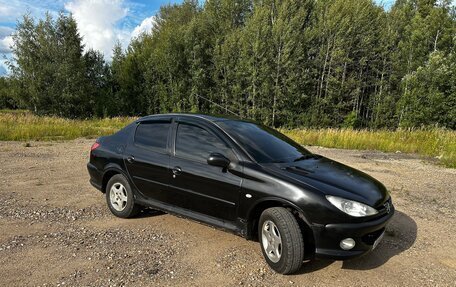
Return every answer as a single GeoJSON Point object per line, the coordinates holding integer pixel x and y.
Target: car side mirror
{"type": "Point", "coordinates": [217, 159]}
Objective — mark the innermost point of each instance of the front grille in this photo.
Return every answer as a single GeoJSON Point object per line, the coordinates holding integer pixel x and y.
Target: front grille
{"type": "Point", "coordinates": [371, 237]}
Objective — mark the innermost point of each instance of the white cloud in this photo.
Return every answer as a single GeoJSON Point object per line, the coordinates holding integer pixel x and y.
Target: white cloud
{"type": "Point", "coordinates": [5, 31]}
{"type": "Point", "coordinates": [5, 44]}
{"type": "Point", "coordinates": [97, 21]}
{"type": "Point", "coordinates": [145, 27]}
{"type": "Point", "coordinates": [101, 23]}
{"type": "Point", "coordinates": [4, 70]}
{"type": "Point", "coordinates": [11, 10]}
{"type": "Point", "coordinates": [5, 10]}
{"type": "Point", "coordinates": [5, 39]}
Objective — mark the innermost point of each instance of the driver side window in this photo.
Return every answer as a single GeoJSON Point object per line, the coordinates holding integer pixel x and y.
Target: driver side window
{"type": "Point", "coordinates": [196, 143]}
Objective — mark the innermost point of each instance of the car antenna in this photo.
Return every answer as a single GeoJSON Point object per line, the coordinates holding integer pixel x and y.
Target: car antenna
{"type": "Point", "coordinates": [222, 107]}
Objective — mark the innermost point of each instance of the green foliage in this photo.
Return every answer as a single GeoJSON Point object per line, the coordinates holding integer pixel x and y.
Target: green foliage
{"type": "Point", "coordinates": [437, 143]}
{"type": "Point", "coordinates": [430, 99]}
{"type": "Point", "coordinates": [326, 63]}
{"type": "Point", "coordinates": [98, 80]}
{"type": "Point", "coordinates": [351, 121]}
{"type": "Point", "coordinates": [8, 98]}
{"type": "Point", "coordinates": [53, 75]}
{"type": "Point", "coordinates": [21, 125]}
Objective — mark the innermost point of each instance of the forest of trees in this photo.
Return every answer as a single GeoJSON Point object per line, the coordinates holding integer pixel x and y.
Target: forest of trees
{"type": "Point", "coordinates": [312, 63]}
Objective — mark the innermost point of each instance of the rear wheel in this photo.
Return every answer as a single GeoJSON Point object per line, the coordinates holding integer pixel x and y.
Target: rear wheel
{"type": "Point", "coordinates": [119, 197]}
{"type": "Point", "coordinates": [281, 240]}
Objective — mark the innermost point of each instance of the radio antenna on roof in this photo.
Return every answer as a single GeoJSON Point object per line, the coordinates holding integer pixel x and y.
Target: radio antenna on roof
{"type": "Point", "coordinates": [220, 106]}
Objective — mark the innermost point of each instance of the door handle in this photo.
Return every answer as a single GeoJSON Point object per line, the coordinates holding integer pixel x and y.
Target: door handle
{"type": "Point", "coordinates": [131, 159]}
{"type": "Point", "coordinates": [176, 171]}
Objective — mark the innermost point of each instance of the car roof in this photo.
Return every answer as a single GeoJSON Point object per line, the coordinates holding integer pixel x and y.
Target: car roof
{"type": "Point", "coordinates": [211, 118]}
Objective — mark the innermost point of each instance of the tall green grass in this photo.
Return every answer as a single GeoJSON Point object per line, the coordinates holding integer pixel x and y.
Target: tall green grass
{"type": "Point", "coordinates": [439, 143]}
{"type": "Point", "coordinates": [24, 126]}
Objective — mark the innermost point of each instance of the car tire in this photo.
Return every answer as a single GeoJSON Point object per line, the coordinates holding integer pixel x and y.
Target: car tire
{"type": "Point", "coordinates": [281, 240]}
{"type": "Point", "coordinates": [120, 198]}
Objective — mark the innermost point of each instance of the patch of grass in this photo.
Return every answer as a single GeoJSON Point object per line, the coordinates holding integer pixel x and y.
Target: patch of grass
{"type": "Point", "coordinates": [437, 143]}
{"type": "Point", "coordinates": [6, 111]}
{"type": "Point", "coordinates": [24, 126]}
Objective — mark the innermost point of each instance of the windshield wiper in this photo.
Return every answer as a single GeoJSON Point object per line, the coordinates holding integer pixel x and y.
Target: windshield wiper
{"type": "Point", "coordinates": [304, 157]}
{"type": "Point", "coordinates": [278, 161]}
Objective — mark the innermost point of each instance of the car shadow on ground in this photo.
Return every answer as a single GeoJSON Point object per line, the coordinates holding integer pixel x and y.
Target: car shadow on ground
{"type": "Point", "coordinates": [148, 212]}
{"type": "Point", "coordinates": [400, 235]}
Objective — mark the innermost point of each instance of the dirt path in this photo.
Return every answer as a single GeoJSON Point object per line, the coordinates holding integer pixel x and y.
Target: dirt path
{"type": "Point", "coordinates": [57, 231]}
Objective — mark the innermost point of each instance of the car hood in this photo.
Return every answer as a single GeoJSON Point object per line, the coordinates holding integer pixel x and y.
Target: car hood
{"type": "Point", "coordinates": [334, 178]}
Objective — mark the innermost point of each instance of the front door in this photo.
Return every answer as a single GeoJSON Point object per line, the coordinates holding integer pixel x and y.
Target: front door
{"type": "Point", "coordinates": [196, 185]}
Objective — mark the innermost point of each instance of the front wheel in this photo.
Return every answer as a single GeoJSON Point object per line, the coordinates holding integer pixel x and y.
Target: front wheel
{"type": "Point", "coordinates": [120, 198]}
{"type": "Point", "coordinates": [281, 240]}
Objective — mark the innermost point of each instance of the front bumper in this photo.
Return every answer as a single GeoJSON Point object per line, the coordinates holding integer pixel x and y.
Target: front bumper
{"type": "Point", "coordinates": [365, 234]}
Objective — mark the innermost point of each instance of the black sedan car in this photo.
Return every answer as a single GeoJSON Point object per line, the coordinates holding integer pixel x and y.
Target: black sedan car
{"type": "Point", "coordinates": [245, 178]}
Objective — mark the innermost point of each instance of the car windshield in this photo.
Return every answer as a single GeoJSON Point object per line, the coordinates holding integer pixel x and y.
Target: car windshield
{"type": "Point", "coordinates": [264, 144]}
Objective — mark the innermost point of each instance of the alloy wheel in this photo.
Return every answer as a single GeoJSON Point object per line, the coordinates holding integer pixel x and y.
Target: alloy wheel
{"type": "Point", "coordinates": [118, 196]}
{"type": "Point", "coordinates": [271, 240]}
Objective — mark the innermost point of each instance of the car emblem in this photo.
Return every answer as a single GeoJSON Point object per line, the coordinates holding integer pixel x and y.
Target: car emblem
{"type": "Point", "coordinates": [387, 207]}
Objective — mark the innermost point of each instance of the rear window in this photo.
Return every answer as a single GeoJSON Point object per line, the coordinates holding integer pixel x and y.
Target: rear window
{"type": "Point", "coordinates": [153, 135]}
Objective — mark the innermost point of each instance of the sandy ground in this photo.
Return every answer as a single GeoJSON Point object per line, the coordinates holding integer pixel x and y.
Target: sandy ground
{"type": "Point", "coordinates": [57, 231]}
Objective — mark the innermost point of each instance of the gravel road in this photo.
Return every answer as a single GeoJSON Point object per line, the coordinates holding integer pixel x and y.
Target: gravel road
{"type": "Point", "coordinates": [57, 231]}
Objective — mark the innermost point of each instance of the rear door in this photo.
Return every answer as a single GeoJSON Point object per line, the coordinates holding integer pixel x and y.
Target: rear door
{"type": "Point", "coordinates": [197, 186]}
{"type": "Point", "coordinates": [147, 158]}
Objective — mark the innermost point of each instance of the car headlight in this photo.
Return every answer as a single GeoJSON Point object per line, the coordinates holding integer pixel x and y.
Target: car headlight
{"type": "Point", "coordinates": [351, 207]}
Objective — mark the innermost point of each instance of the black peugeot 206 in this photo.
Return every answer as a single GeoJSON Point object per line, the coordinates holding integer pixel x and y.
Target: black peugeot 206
{"type": "Point", "coordinates": [246, 178]}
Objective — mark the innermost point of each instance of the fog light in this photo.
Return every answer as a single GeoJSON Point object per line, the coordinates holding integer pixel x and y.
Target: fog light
{"type": "Point", "coordinates": [347, 243]}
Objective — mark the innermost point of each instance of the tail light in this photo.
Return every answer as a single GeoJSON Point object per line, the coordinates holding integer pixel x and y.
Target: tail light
{"type": "Point", "coordinates": [94, 146]}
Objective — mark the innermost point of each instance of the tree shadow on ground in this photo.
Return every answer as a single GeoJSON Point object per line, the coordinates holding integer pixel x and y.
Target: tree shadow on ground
{"type": "Point", "coordinates": [400, 235]}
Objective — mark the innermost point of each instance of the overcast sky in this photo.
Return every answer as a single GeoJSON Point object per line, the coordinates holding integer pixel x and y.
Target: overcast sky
{"type": "Point", "coordinates": [101, 22]}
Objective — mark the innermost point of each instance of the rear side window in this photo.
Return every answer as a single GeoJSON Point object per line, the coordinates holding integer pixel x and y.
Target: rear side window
{"type": "Point", "coordinates": [196, 143]}
{"type": "Point", "coordinates": [153, 135]}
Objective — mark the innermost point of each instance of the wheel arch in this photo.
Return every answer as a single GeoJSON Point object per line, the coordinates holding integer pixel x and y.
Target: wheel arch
{"type": "Point", "coordinates": [255, 213]}
{"type": "Point", "coordinates": [109, 172]}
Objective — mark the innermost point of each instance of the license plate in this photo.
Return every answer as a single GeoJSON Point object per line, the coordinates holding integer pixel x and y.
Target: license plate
{"type": "Point", "coordinates": [378, 240]}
